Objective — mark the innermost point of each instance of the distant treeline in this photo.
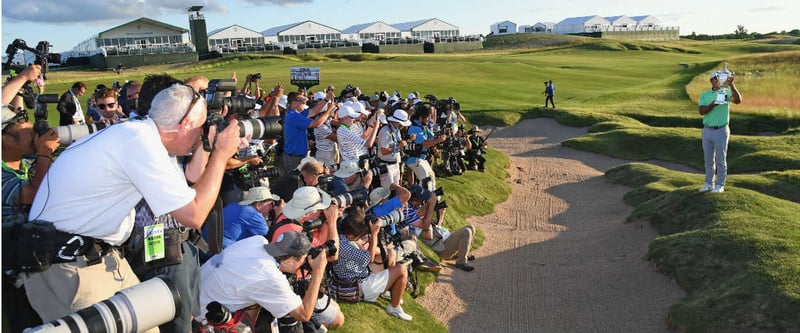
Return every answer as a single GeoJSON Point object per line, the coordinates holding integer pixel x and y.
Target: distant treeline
{"type": "Point", "coordinates": [742, 33]}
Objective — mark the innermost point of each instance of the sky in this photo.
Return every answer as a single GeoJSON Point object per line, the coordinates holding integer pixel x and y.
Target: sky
{"type": "Point", "coordinates": [65, 23]}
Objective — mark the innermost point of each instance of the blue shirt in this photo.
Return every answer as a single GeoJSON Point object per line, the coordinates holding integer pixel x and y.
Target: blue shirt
{"type": "Point", "coordinates": [387, 207]}
{"type": "Point", "coordinates": [294, 133]}
{"type": "Point", "coordinates": [241, 222]}
{"type": "Point", "coordinates": [423, 133]}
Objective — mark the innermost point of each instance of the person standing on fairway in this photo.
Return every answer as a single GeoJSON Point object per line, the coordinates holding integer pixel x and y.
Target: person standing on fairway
{"type": "Point", "coordinates": [715, 109]}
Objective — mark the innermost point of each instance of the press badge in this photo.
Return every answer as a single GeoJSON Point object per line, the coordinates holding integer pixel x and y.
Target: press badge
{"type": "Point", "coordinates": [153, 242]}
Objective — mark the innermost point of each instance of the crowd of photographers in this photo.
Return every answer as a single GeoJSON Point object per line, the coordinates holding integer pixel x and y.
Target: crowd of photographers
{"type": "Point", "coordinates": [262, 208]}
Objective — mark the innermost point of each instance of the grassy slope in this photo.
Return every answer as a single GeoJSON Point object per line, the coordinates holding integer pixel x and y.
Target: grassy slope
{"type": "Point", "coordinates": [640, 106]}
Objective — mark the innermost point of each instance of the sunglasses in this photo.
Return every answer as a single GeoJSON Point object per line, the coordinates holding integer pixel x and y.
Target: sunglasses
{"type": "Point", "coordinates": [109, 105]}
{"type": "Point", "coordinates": [196, 98]}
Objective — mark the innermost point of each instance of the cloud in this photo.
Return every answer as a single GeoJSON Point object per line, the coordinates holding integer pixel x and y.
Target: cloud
{"type": "Point", "coordinates": [91, 12]}
{"type": "Point", "coordinates": [282, 3]}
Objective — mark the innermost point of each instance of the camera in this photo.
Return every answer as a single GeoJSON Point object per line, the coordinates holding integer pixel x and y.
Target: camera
{"type": "Point", "coordinates": [348, 198]}
{"type": "Point", "coordinates": [216, 99]}
{"type": "Point", "coordinates": [263, 128]}
{"type": "Point", "coordinates": [42, 53]}
{"type": "Point", "coordinates": [329, 247]}
{"type": "Point", "coordinates": [255, 76]}
{"type": "Point", "coordinates": [395, 217]}
{"type": "Point", "coordinates": [249, 176]}
{"type": "Point", "coordinates": [133, 309]}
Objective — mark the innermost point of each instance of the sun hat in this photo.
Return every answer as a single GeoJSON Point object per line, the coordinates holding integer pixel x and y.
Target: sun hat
{"type": "Point", "coordinates": [377, 195]}
{"type": "Point", "coordinates": [400, 116]}
{"type": "Point", "coordinates": [347, 169]}
{"type": "Point", "coordinates": [257, 194]}
{"type": "Point", "coordinates": [282, 101]}
{"type": "Point", "coordinates": [347, 111]}
{"type": "Point", "coordinates": [304, 200]}
{"type": "Point", "coordinates": [290, 243]}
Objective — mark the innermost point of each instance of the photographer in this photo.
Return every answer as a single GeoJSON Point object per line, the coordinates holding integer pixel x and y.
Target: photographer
{"type": "Point", "coordinates": [424, 140]}
{"type": "Point", "coordinates": [136, 163]}
{"type": "Point", "coordinates": [249, 217]}
{"type": "Point", "coordinates": [307, 173]}
{"type": "Point", "coordinates": [251, 272]}
{"type": "Point", "coordinates": [475, 150]}
{"type": "Point", "coordinates": [21, 179]}
{"type": "Point", "coordinates": [391, 144]}
{"type": "Point", "coordinates": [350, 177]}
{"type": "Point", "coordinates": [455, 245]}
{"type": "Point", "coordinates": [297, 123]}
{"type": "Point", "coordinates": [355, 255]}
{"type": "Point", "coordinates": [312, 212]}
{"type": "Point", "coordinates": [352, 143]}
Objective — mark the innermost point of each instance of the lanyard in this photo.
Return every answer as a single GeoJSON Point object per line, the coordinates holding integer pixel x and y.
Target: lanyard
{"type": "Point", "coordinates": [21, 174]}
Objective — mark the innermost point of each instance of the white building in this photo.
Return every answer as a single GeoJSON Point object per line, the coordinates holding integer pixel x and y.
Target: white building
{"type": "Point", "coordinates": [375, 31]}
{"type": "Point", "coordinates": [234, 36]}
{"type": "Point", "coordinates": [300, 33]}
{"type": "Point", "coordinates": [647, 22]}
{"type": "Point", "coordinates": [503, 28]}
{"type": "Point", "coordinates": [427, 29]}
{"type": "Point", "coordinates": [141, 33]}
{"type": "Point", "coordinates": [573, 25]}
{"type": "Point", "coordinates": [543, 27]}
{"type": "Point", "coordinates": [621, 23]}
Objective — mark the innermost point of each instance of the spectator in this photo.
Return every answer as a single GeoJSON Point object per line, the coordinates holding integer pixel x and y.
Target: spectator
{"type": "Point", "coordinates": [69, 107]}
{"type": "Point", "coordinates": [106, 102]}
{"type": "Point", "coordinates": [355, 255]}
{"type": "Point", "coordinates": [128, 173]}
{"type": "Point", "coordinates": [248, 217]}
{"type": "Point", "coordinates": [132, 98]}
{"type": "Point", "coordinates": [715, 107]}
{"type": "Point", "coordinates": [251, 271]}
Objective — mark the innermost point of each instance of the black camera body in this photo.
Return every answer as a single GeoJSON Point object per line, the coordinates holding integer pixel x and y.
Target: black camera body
{"type": "Point", "coordinates": [329, 247]}
{"type": "Point", "coordinates": [255, 76]}
{"type": "Point", "coordinates": [42, 53]}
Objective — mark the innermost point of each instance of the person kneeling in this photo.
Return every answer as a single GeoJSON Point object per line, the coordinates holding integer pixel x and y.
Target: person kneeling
{"type": "Point", "coordinates": [251, 272]}
{"type": "Point", "coordinates": [355, 255]}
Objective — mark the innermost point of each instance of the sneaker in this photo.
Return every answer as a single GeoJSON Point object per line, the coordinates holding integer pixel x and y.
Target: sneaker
{"type": "Point", "coordinates": [387, 295]}
{"type": "Point", "coordinates": [465, 267]}
{"type": "Point", "coordinates": [718, 189]}
{"type": "Point", "coordinates": [398, 312]}
{"type": "Point", "coordinates": [705, 188]}
{"type": "Point", "coordinates": [470, 257]}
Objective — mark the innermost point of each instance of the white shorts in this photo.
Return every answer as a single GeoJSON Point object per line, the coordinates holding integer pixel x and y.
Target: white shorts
{"type": "Point", "coordinates": [374, 285]}
{"type": "Point", "coordinates": [329, 315]}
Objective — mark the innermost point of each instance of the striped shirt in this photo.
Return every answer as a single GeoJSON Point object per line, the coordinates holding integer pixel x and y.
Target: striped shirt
{"type": "Point", "coordinates": [350, 143]}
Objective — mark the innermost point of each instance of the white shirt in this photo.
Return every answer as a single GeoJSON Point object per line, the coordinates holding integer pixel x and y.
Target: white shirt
{"type": "Point", "coordinates": [78, 117]}
{"type": "Point", "coordinates": [93, 186]}
{"type": "Point", "coordinates": [245, 274]}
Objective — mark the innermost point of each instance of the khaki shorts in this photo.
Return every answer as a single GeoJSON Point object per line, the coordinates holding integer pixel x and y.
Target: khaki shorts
{"type": "Point", "coordinates": [65, 288]}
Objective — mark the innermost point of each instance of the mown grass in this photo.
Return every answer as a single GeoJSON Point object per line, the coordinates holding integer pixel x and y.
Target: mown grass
{"type": "Point", "coordinates": [735, 254]}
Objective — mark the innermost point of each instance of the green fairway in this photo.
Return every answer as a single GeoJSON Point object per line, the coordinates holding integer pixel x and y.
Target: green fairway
{"type": "Point", "coordinates": [737, 255]}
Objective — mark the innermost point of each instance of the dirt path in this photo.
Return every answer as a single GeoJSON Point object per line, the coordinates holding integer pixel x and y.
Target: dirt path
{"type": "Point", "coordinates": [558, 256]}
